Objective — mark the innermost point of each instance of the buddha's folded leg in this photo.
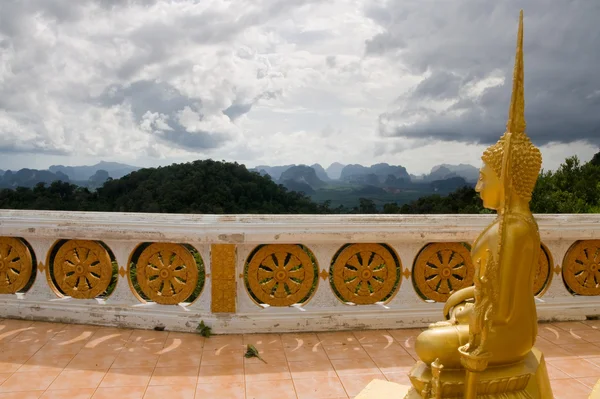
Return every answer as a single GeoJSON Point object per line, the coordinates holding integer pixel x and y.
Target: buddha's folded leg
{"type": "Point", "coordinates": [460, 314]}
{"type": "Point", "coordinates": [442, 343]}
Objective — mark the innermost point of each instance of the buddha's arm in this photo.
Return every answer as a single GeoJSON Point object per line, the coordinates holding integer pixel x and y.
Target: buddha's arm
{"type": "Point", "coordinates": [514, 249]}
{"type": "Point", "coordinates": [458, 297]}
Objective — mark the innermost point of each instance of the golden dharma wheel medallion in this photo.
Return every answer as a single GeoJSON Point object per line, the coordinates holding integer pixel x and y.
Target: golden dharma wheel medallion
{"type": "Point", "coordinates": [281, 274]}
{"type": "Point", "coordinates": [441, 269]}
{"type": "Point", "coordinates": [365, 273]}
{"type": "Point", "coordinates": [82, 269]}
{"type": "Point", "coordinates": [581, 268]}
{"type": "Point", "coordinates": [167, 273]}
{"type": "Point", "coordinates": [16, 265]}
{"type": "Point", "coordinates": [543, 271]}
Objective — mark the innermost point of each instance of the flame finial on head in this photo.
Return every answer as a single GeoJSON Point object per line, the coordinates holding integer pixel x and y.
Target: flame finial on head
{"type": "Point", "coordinates": [514, 158]}
{"type": "Point", "coordinates": [516, 113]}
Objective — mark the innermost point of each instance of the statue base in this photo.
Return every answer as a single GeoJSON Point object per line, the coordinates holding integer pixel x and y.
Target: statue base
{"type": "Point", "coordinates": [379, 389]}
{"type": "Point", "coordinates": [524, 380]}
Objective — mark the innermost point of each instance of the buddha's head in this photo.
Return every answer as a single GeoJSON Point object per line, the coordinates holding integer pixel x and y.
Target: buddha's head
{"type": "Point", "coordinates": [525, 164]}
{"type": "Point", "coordinates": [525, 159]}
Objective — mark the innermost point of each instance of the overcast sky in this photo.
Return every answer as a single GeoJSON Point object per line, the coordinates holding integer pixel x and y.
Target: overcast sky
{"type": "Point", "coordinates": [409, 82]}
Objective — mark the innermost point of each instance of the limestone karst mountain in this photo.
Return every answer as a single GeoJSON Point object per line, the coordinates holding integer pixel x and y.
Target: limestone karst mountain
{"type": "Point", "coordinates": [115, 170]}
{"type": "Point", "coordinates": [321, 173]}
{"type": "Point", "coordinates": [302, 174]}
{"type": "Point", "coordinates": [334, 171]}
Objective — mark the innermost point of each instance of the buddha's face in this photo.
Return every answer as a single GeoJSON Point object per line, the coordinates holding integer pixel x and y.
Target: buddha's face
{"type": "Point", "coordinates": [490, 188]}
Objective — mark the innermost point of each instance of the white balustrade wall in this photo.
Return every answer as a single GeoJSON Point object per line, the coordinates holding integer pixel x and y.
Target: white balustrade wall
{"type": "Point", "coordinates": [322, 234]}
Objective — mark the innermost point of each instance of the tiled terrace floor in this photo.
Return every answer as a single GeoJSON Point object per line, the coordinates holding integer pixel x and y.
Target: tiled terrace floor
{"type": "Point", "coordinates": [47, 360]}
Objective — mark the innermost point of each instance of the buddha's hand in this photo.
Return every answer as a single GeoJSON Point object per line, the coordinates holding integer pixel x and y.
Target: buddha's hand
{"type": "Point", "coordinates": [457, 298]}
{"type": "Point", "coordinates": [448, 323]}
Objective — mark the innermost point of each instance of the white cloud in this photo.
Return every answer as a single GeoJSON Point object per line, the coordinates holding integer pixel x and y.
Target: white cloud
{"type": "Point", "coordinates": [254, 81]}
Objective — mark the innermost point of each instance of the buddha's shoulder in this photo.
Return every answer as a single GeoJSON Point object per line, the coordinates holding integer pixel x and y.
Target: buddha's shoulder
{"type": "Point", "coordinates": [520, 226]}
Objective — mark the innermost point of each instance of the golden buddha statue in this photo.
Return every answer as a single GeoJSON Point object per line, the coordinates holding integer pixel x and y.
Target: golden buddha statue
{"type": "Point", "coordinates": [486, 343]}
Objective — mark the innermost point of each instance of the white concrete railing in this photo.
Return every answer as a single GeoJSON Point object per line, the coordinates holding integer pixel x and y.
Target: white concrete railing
{"type": "Point", "coordinates": [225, 303]}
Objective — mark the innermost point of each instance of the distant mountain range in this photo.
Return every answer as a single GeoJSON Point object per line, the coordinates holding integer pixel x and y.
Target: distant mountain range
{"type": "Point", "coordinates": [383, 183]}
{"type": "Point", "coordinates": [86, 176]}
{"type": "Point", "coordinates": [338, 184]}
{"type": "Point", "coordinates": [378, 174]}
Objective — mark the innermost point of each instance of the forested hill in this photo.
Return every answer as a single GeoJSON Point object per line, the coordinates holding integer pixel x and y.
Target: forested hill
{"type": "Point", "coordinates": [198, 187]}
{"type": "Point", "coordinates": [228, 188]}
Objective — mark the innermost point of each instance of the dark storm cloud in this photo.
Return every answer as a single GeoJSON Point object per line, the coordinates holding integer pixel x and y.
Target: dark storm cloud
{"type": "Point", "coordinates": [459, 43]}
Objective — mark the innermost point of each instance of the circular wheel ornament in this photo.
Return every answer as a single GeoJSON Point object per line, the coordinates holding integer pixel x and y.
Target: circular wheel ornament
{"type": "Point", "coordinates": [543, 272]}
{"type": "Point", "coordinates": [82, 269]}
{"type": "Point", "coordinates": [441, 269]}
{"type": "Point", "coordinates": [167, 273]}
{"type": "Point", "coordinates": [581, 268]}
{"type": "Point", "coordinates": [365, 273]}
{"type": "Point", "coordinates": [280, 274]}
{"type": "Point", "coordinates": [16, 265]}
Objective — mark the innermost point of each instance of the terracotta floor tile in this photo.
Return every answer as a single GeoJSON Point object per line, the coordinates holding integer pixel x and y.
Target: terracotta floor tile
{"type": "Point", "coordinates": [92, 360]}
{"type": "Point", "coordinates": [556, 374]}
{"type": "Point", "coordinates": [353, 384]}
{"type": "Point", "coordinates": [147, 337]}
{"type": "Point", "coordinates": [398, 378]}
{"type": "Point", "coordinates": [21, 395]}
{"type": "Point", "coordinates": [569, 389]}
{"type": "Point", "coordinates": [170, 392]}
{"type": "Point", "coordinates": [19, 349]}
{"type": "Point", "coordinates": [174, 376]}
{"type": "Point", "coordinates": [404, 334]}
{"type": "Point", "coordinates": [571, 325]}
{"type": "Point", "coordinates": [354, 366]}
{"type": "Point", "coordinates": [315, 353]}
{"type": "Point", "coordinates": [373, 336]}
{"type": "Point", "coordinates": [559, 336]}
{"type": "Point", "coordinates": [7, 334]}
{"type": "Point", "coordinates": [45, 361]}
{"type": "Point", "coordinates": [180, 365]}
{"type": "Point", "coordinates": [127, 377]}
{"type": "Point", "coordinates": [555, 352]}
{"type": "Point", "coordinates": [311, 369]}
{"type": "Point", "coordinates": [319, 387]}
{"type": "Point", "coordinates": [13, 365]}
{"type": "Point", "coordinates": [233, 341]}
{"type": "Point", "coordinates": [235, 390]}
{"type": "Point", "coordinates": [576, 367]}
{"type": "Point", "coordinates": [182, 345]}
{"type": "Point", "coordinates": [396, 364]}
{"type": "Point", "coordinates": [592, 323]}
{"type": "Point", "coordinates": [387, 349]}
{"type": "Point", "coordinates": [78, 379]}
{"type": "Point", "coordinates": [583, 350]}
{"type": "Point", "coordinates": [68, 393]}
{"type": "Point", "coordinates": [350, 351]}
{"type": "Point", "coordinates": [29, 381]}
{"type": "Point", "coordinates": [589, 382]}
{"type": "Point", "coordinates": [272, 341]}
{"type": "Point", "coordinates": [129, 360]}
{"type": "Point", "coordinates": [269, 355]}
{"type": "Point", "coordinates": [221, 374]}
{"type": "Point", "coordinates": [267, 372]}
{"type": "Point", "coordinates": [223, 356]}
{"type": "Point", "coordinates": [120, 393]}
{"type": "Point", "coordinates": [295, 340]}
{"type": "Point", "coordinates": [337, 338]}
{"type": "Point", "coordinates": [276, 389]}
{"type": "Point", "coordinates": [172, 359]}
{"type": "Point", "coordinates": [591, 335]}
